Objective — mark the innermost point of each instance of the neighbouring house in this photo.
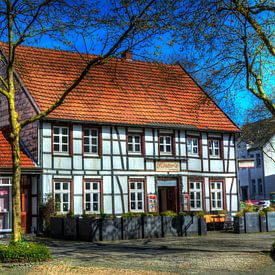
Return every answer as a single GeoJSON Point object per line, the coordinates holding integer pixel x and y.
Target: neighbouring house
{"type": "Point", "coordinates": [257, 146]}
{"type": "Point", "coordinates": [134, 136]}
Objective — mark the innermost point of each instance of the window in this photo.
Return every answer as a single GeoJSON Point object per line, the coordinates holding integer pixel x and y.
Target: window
{"type": "Point", "coordinates": [193, 146]}
{"type": "Point", "coordinates": [214, 148]}
{"type": "Point", "coordinates": [92, 196]}
{"type": "Point", "coordinates": [5, 204]}
{"type": "Point", "coordinates": [195, 195]}
{"type": "Point", "coordinates": [258, 160]}
{"type": "Point", "coordinates": [61, 139]}
{"type": "Point", "coordinates": [253, 186]}
{"type": "Point", "coordinates": [137, 196]}
{"type": "Point", "coordinates": [165, 144]}
{"type": "Point", "coordinates": [62, 196]}
{"type": "Point", "coordinates": [91, 143]}
{"type": "Point", "coordinates": [260, 186]}
{"type": "Point", "coordinates": [134, 143]}
{"type": "Point", "coordinates": [216, 196]}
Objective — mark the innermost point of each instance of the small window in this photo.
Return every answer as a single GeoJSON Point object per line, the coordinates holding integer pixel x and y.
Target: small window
{"type": "Point", "coordinates": [214, 148]}
{"type": "Point", "coordinates": [260, 186]}
{"type": "Point", "coordinates": [195, 195]}
{"type": "Point", "coordinates": [134, 143]}
{"type": "Point", "coordinates": [62, 196]}
{"type": "Point", "coordinates": [136, 198]}
{"type": "Point", "coordinates": [193, 146]}
{"type": "Point", "coordinates": [216, 195]}
{"type": "Point", "coordinates": [253, 186]}
{"type": "Point", "coordinates": [92, 196]}
{"type": "Point", "coordinates": [258, 161]}
{"type": "Point", "coordinates": [61, 140]}
{"type": "Point", "coordinates": [91, 141]}
{"type": "Point", "coordinates": [166, 144]}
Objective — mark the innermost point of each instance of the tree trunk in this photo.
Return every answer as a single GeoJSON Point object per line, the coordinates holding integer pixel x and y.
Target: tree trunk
{"type": "Point", "coordinates": [16, 200]}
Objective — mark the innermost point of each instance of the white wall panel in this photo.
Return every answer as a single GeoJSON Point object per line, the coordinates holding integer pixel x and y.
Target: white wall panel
{"type": "Point", "coordinates": [107, 182]}
{"type": "Point", "coordinates": [136, 163]}
{"type": "Point", "coordinates": [232, 166]}
{"type": "Point", "coordinates": [184, 184]}
{"type": "Point", "coordinates": [116, 147]}
{"type": "Point", "coordinates": [106, 163]}
{"type": "Point", "coordinates": [47, 161]}
{"type": "Point", "coordinates": [47, 184]}
{"type": "Point", "coordinates": [182, 136]}
{"type": "Point", "coordinates": [123, 182]}
{"type": "Point", "coordinates": [194, 164]}
{"type": "Point", "coordinates": [205, 165]}
{"type": "Point", "coordinates": [106, 147]}
{"type": "Point", "coordinates": [205, 151]}
{"type": "Point", "coordinates": [77, 180]}
{"type": "Point", "coordinates": [77, 131]}
{"type": "Point", "coordinates": [216, 165]}
{"type": "Point", "coordinates": [150, 180]}
{"type": "Point", "coordinates": [149, 149]}
{"type": "Point", "coordinates": [183, 165]}
{"type": "Point", "coordinates": [149, 165]}
{"type": "Point", "coordinates": [148, 135]}
{"type": "Point", "coordinates": [107, 204]}
{"type": "Point", "coordinates": [183, 150]}
{"type": "Point", "coordinates": [47, 129]}
{"type": "Point", "coordinates": [105, 132]}
{"type": "Point", "coordinates": [204, 139]}
{"type": "Point", "coordinates": [92, 164]}
{"type": "Point", "coordinates": [77, 162]}
{"type": "Point", "coordinates": [47, 144]}
{"type": "Point", "coordinates": [62, 163]}
{"type": "Point", "coordinates": [77, 146]}
{"type": "Point", "coordinates": [78, 205]}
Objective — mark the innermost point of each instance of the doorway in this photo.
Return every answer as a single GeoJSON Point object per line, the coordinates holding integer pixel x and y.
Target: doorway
{"type": "Point", "coordinates": [168, 195]}
{"type": "Point", "coordinates": [25, 204]}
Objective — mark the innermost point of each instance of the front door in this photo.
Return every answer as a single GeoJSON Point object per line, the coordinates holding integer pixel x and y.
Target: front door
{"type": "Point", "coordinates": [25, 205]}
{"type": "Point", "coordinates": [167, 193]}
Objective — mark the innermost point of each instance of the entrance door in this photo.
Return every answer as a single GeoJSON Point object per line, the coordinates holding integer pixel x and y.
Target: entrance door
{"type": "Point", "coordinates": [167, 191]}
{"type": "Point", "coordinates": [25, 206]}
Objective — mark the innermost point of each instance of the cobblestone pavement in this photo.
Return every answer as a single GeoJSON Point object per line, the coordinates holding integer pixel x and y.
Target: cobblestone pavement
{"type": "Point", "coordinates": [216, 253]}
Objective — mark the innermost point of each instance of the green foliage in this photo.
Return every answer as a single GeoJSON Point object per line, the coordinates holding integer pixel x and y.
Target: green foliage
{"type": "Point", "coordinates": [273, 249]}
{"type": "Point", "coordinates": [86, 215]}
{"type": "Point", "coordinates": [70, 214]}
{"type": "Point", "coordinates": [184, 213]}
{"type": "Point", "coordinates": [24, 252]}
{"type": "Point", "coordinates": [200, 214]}
{"type": "Point", "coordinates": [168, 213]}
{"type": "Point", "coordinates": [47, 210]}
{"type": "Point", "coordinates": [132, 215]}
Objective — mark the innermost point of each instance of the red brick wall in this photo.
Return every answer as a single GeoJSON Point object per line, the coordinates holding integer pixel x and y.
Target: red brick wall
{"type": "Point", "coordinates": [29, 134]}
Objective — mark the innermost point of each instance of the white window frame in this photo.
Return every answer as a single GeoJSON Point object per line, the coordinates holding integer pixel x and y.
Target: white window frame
{"type": "Point", "coordinates": [165, 144]}
{"type": "Point", "coordinates": [134, 143]}
{"type": "Point", "coordinates": [60, 142]}
{"type": "Point", "coordinates": [214, 148]}
{"type": "Point", "coordinates": [134, 191]}
{"type": "Point", "coordinates": [91, 191]}
{"type": "Point", "coordinates": [214, 195]}
{"type": "Point", "coordinates": [7, 212]}
{"type": "Point", "coordinates": [90, 144]}
{"type": "Point", "coordinates": [191, 146]}
{"type": "Point", "coordinates": [196, 190]}
{"type": "Point", "coordinates": [62, 192]}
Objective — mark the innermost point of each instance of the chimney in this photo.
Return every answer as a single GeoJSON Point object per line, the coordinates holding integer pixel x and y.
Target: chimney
{"type": "Point", "coordinates": [127, 55]}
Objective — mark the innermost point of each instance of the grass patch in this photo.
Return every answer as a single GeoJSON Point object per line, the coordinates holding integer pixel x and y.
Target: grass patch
{"type": "Point", "coordinates": [23, 252]}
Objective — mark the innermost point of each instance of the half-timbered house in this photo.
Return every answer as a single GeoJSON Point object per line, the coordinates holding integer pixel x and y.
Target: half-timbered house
{"type": "Point", "coordinates": [134, 136]}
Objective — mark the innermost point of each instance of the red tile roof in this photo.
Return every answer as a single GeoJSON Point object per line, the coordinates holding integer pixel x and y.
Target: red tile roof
{"type": "Point", "coordinates": [119, 91]}
{"type": "Point", "coordinates": [6, 154]}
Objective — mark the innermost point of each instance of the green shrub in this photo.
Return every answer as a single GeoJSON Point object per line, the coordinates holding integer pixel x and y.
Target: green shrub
{"type": "Point", "coordinates": [168, 213]}
{"type": "Point", "coordinates": [200, 214]}
{"type": "Point", "coordinates": [24, 252]}
{"type": "Point", "coordinates": [70, 214]}
{"type": "Point", "coordinates": [131, 215]}
{"type": "Point", "coordinates": [273, 249]}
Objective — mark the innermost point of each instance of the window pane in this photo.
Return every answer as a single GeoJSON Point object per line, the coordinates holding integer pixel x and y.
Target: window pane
{"type": "Point", "coordinates": [56, 147]}
{"type": "Point", "coordinates": [168, 140]}
{"type": "Point", "coordinates": [94, 149]}
{"type": "Point", "coordinates": [56, 130]}
{"type": "Point", "coordinates": [64, 139]}
{"type": "Point", "coordinates": [86, 141]}
{"type": "Point", "coordinates": [137, 139]}
{"type": "Point", "coordinates": [139, 205]}
{"type": "Point", "coordinates": [94, 141]}
{"type": "Point", "coordinates": [65, 186]}
{"type": "Point", "coordinates": [130, 147]}
{"type": "Point", "coordinates": [168, 148]}
{"type": "Point", "coordinates": [192, 204]}
{"type": "Point", "coordinates": [88, 207]}
{"type": "Point", "coordinates": [219, 204]}
{"type": "Point", "coordinates": [195, 141]}
{"type": "Point", "coordinates": [161, 148]}
{"type": "Point", "coordinates": [95, 206]}
{"type": "Point", "coordinates": [191, 185]}
{"type": "Point", "coordinates": [56, 139]}
{"type": "Point", "coordinates": [192, 195]}
{"type": "Point", "coordinates": [86, 132]}
{"type": "Point", "coordinates": [64, 131]}
{"type": "Point", "coordinates": [95, 185]}
{"type": "Point", "coordinates": [213, 196]}
{"type": "Point", "coordinates": [132, 196]}
{"type": "Point", "coordinates": [57, 186]}
{"type": "Point", "coordinates": [212, 185]}
{"type": "Point", "coordinates": [139, 196]}
{"type": "Point", "coordinates": [198, 185]}
{"type": "Point", "coordinates": [139, 185]}
{"type": "Point", "coordinates": [132, 185]}
{"type": "Point", "coordinates": [64, 148]}
{"type": "Point", "coordinates": [195, 150]}
{"type": "Point", "coordinates": [57, 198]}
{"type": "Point", "coordinates": [218, 185]}
{"type": "Point", "coordinates": [130, 139]}
{"type": "Point", "coordinates": [88, 197]}
{"type": "Point", "coordinates": [65, 207]}
{"type": "Point", "coordinates": [65, 197]}
{"type": "Point", "coordinates": [137, 147]}
{"type": "Point", "coordinates": [161, 139]}
{"type": "Point", "coordinates": [87, 185]}
{"type": "Point", "coordinates": [94, 133]}
{"type": "Point", "coordinates": [133, 205]}
{"type": "Point", "coordinates": [86, 149]}
{"type": "Point", "coordinates": [95, 197]}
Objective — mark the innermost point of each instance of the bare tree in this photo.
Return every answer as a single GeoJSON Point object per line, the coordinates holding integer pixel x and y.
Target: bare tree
{"type": "Point", "coordinates": [110, 29]}
{"type": "Point", "coordinates": [230, 46]}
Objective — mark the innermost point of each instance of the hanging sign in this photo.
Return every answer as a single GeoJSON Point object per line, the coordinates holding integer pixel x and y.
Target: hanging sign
{"type": "Point", "coordinates": [168, 166]}
{"type": "Point", "coordinates": [186, 199]}
{"type": "Point", "coordinates": [152, 203]}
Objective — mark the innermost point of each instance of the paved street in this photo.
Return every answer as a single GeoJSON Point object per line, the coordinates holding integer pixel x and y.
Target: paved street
{"type": "Point", "coordinates": [216, 253]}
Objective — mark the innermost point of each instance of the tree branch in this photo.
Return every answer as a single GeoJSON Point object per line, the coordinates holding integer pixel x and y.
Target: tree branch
{"type": "Point", "coordinates": [94, 62]}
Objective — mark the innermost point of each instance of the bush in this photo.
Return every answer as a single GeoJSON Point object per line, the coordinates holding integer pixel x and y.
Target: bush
{"type": "Point", "coordinates": [24, 252]}
{"type": "Point", "coordinates": [273, 249]}
{"type": "Point", "coordinates": [168, 213]}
